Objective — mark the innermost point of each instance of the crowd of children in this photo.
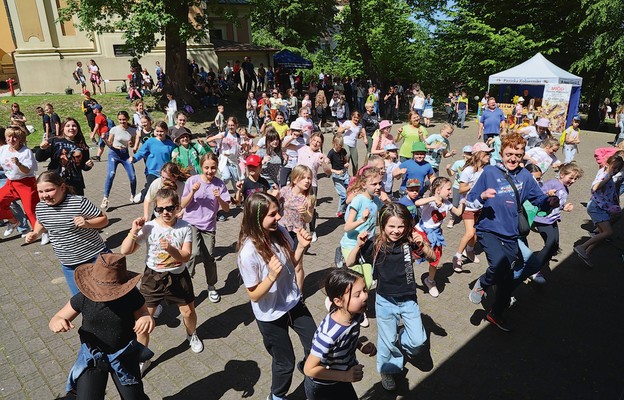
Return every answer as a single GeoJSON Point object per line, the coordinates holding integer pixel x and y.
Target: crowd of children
{"type": "Point", "coordinates": [275, 180]}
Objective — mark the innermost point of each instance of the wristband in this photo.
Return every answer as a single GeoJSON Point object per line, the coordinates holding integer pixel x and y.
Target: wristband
{"type": "Point", "coordinates": [132, 236]}
{"type": "Point", "coordinates": [272, 280]}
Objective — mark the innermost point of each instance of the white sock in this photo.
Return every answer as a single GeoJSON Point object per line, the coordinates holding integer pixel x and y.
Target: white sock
{"type": "Point", "coordinates": [458, 255]}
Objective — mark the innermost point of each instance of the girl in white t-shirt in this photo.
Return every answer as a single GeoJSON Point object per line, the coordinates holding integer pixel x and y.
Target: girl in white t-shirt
{"type": "Point", "coordinates": [273, 276]}
{"type": "Point", "coordinates": [472, 171]}
{"type": "Point", "coordinates": [229, 152]}
{"type": "Point", "coordinates": [433, 212]}
{"type": "Point", "coordinates": [351, 131]}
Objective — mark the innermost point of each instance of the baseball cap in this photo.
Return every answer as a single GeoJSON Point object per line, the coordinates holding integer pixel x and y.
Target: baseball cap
{"type": "Point", "coordinates": [253, 160]}
{"type": "Point", "coordinates": [412, 183]}
{"type": "Point", "coordinates": [390, 147]}
{"type": "Point", "coordinates": [467, 149]}
{"type": "Point", "coordinates": [480, 146]}
{"type": "Point", "coordinates": [576, 117]}
{"type": "Point", "coordinates": [419, 146]}
{"type": "Point", "coordinates": [543, 122]}
{"type": "Point", "coordinates": [97, 107]}
{"type": "Point", "coordinates": [296, 125]}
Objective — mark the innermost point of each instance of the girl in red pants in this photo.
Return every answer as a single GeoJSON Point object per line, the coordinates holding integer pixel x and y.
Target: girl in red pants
{"type": "Point", "coordinates": [19, 165]}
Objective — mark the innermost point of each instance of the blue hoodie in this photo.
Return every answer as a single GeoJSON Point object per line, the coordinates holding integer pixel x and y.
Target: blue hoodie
{"type": "Point", "coordinates": [499, 215]}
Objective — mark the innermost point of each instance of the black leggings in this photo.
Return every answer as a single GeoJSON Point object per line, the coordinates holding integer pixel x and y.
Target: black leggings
{"type": "Point", "coordinates": [92, 382]}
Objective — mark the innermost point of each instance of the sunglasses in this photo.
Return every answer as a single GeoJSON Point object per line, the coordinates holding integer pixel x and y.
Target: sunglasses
{"type": "Point", "coordinates": [168, 209]}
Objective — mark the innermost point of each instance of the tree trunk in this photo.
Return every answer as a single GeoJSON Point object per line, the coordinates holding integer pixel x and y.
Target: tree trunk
{"type": "Point", "coordinates": [176, 65]}
{"type": "Point", "coordinates": [365, 51]}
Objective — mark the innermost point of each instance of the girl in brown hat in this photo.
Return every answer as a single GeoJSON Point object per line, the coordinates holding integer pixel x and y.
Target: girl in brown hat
{"type": "Point", "coordinates": [113, 313]}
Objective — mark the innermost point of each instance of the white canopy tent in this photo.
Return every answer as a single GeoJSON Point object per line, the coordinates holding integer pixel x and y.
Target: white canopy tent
{"type": "Point", "coordinates": [534, 71]}
{"type": "Point", "coordinates": [533, 74]}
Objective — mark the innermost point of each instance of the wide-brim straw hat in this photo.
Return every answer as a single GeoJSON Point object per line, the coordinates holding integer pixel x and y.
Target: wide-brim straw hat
{"type": "Point", "coordinates": [107, 279]}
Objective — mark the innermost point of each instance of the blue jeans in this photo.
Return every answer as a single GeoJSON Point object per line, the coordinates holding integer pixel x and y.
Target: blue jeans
{"type": "Point", "coordinates": [230, 172]}
{"type": "Point", "coordinates": [389, 312]}
{"type": "Point", "coordinates": [340, 183]}
{"type": "Point", "coordinates": [115, 157]}
{"type": "Point", "coordinates": [503, 254]}
{"type": "Point", "coordinates": [461, 118]}
{"type": "Point", "coordinates": [68, 271]}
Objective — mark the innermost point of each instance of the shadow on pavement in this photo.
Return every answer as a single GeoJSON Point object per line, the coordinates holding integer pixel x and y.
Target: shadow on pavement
{"type": "Point", "coordinates": [240, 376]}
{"type": "Point", "coordinates": [566, 342]}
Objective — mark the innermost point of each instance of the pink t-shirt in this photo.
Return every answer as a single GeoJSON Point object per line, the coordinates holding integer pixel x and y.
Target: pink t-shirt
{"type": "Point", "coordinates": [291, 202]}
{"type": "Point", "coordinates": [311, 160]}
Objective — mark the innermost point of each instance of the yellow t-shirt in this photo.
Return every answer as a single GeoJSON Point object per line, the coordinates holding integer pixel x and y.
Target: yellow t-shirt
{"type": "Point", "coordinates": [281, 129]}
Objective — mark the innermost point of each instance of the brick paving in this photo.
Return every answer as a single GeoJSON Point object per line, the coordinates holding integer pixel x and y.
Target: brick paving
{"type": "Point", "coordinates": [566, 343]}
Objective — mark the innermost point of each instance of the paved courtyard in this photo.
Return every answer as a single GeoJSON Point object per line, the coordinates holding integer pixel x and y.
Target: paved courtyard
{"type": "Point", "coordinates": [566, 344]}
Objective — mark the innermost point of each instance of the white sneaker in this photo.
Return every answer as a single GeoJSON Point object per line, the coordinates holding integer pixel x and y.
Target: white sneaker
{"type": "Point", "coordinates": [314, 238]}
{"type": "Point", "coordinates": [136, 199]}
{"type": "Point", "coordinates": [196, 344]}
{"type": "Point", "coordinates": [471, 256]}
{"type": "Point", "coordinates": [365, 323]}
{"type": "Point", "coordinates": [433, 290]}
{"type": "Point", "coordinates": [457, 264]}
{"type": "Point", "coordinates": [144, 366]}
{"type": "Point", "coordinates": [213, 295]}
{"type": "Point", "coordinates": [10, 229]}
{"type": "Point", "coordinates": [104, 205]}
{"type": "Point", "coordinates": [158, 311]}
{"type": "Point", "coordinates": [45, 239]}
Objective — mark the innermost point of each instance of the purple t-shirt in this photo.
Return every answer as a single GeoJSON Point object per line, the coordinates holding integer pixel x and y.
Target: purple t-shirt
{"type": "Point", "coordinates": [562, 193]}
{"type": "Point", "coordinates": [201, 212]}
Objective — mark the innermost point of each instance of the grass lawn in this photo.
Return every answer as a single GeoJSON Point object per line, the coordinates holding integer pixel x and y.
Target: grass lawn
{"type": "Point", "coordinates": [70, 106]}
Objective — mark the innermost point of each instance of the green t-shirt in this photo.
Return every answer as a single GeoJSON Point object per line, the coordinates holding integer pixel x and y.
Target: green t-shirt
{"type": "Point", "coordinates": [410, 135]}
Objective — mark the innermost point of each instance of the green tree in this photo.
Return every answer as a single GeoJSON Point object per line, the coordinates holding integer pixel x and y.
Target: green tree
{"type": "Point", "coordinates": [294, 24]}
{"type": "Point", "coordinates": [383, 39]}
{"type": "Point", "coordinates": [482, 38]}
{"type": "Point", "coordinates": [144, 23]}
{"type": "Point", "coordinates": [601, 37]}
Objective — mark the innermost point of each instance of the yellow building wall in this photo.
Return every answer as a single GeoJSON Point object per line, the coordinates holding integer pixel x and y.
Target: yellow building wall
{"type": "Point", "coordinates": [46, 52]}
{"type": "Point", "coordinates": [7, 69]}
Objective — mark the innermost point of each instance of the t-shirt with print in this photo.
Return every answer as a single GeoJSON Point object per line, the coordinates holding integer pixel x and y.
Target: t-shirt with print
{"type": "Point", "coordinates": [337, 159]}
{"type": "Point", "coordinates": [284, 294]}
{"type": "Point", "coordinates": [51, 120]}
{"type": "Point", "coordinates": [411, 207]}
{"type": "Point", "coordinates": [393, 268]}
{"type": "Point", "coordinates": [462, 103]}
{"type": "Point", "coordinates": [201, 212]}
{"type": "Point", "coordinates": [350, 135]}
{"type": "Point", "coordinates": [290, 204]}
{"type": "Point", "coordinates": [292, 150]}
{"type": "Point", "coordinates": [312, 160]}
{"type": "Point", "coordinates": [335, 344]}
{"type": "Point", "coordinates": [250, 187]}
{"type": "Point", "coordinates": [415, 170]}
{"type": "Point", "coordinates": [24, 156]}
{"type": "Point", "coordinates": [156, 258]}
{"type": "Point", "coordinates": [230, 146]}
{"type": "Point", "coordinates": [544, 160]}
{"type": "Point", "coordinates": [469, 176]}
{"type": "Point", "coordinates": [359, 204]}
{"type": "Point", "coordinates": [434, 156]}
{"type": "Point", "coordinates": [608, 195]}
{"type": "Point", "coordinates": [370, 124]}
{"type": "Point", "coordinates": [270, 170]}
{"type": "Point", "coordinates": [432, 215]}
{"type": "Point", "coordinates": [562, 192]}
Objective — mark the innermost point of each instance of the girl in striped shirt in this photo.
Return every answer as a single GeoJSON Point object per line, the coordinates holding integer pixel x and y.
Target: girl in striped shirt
{"type": "Point", "coordinates": [332, 366]}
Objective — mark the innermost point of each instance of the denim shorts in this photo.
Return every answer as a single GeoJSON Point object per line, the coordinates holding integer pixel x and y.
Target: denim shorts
{"type": "Point", "coordinates": [596, 213]}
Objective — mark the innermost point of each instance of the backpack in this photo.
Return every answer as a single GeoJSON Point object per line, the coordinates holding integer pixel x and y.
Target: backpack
{"type": "Point", "coordinates": [110, 123]}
